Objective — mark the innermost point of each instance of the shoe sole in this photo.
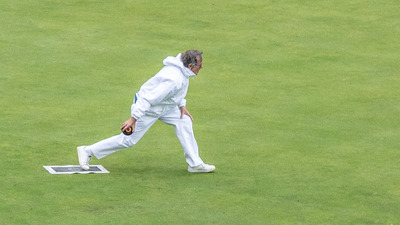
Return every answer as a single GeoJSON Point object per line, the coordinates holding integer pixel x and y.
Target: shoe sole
{"type": "Point", "coordinates": [190, 170]}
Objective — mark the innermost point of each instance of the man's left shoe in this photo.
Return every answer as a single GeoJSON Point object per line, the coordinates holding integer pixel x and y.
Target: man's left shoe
{"type": "Point", "coordinates": [83, 157]}
{"type": "Point", "coordinates": [202, 168]}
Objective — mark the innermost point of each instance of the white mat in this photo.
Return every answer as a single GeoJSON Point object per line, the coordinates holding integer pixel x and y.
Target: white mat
{"type": "Point", "coordinates": [73, 169]}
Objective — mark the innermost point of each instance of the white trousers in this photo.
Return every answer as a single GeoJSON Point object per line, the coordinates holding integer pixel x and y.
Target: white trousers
{"type": "Point", "coordinates": [183, 129]}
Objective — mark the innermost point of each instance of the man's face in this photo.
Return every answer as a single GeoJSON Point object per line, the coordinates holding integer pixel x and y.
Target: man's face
{"type": "Point", "coordinates": [196, 69]}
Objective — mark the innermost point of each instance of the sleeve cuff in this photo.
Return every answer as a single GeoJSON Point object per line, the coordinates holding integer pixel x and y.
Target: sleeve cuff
{"type": "Point", "coordinates": [182, 103]}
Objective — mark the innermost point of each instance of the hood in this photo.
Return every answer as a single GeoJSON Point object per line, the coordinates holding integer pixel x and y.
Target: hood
{"type": "Point", "coordinates": [176, 61]}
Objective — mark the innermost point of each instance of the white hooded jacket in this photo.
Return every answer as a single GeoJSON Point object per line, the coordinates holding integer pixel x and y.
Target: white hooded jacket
{"type": "Point", "coordinates": [165, 90]}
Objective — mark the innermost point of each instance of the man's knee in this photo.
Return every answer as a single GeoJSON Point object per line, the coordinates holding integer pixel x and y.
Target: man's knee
{"type": "Point", "coordinates": [186, 119]}
{"type": "Point", "coordinates": [126, 141]}
{"type": "Point", "coordinates": [184, 125]}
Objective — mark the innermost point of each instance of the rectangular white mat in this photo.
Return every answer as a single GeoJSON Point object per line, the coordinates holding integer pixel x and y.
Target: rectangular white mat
{"type": "Point", "coordinates": [73, 169]}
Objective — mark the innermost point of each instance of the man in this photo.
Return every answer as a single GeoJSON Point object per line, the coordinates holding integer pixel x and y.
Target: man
{"type": "Point", "coordinates": [162, 98]}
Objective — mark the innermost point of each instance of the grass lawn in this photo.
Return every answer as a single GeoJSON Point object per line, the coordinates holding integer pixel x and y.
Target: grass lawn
{"type": "Point", "coordinates": [297, 106]}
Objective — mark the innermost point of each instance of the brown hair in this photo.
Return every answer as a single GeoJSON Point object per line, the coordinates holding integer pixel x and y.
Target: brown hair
{"type": "Point", "coordinates": [190, 57]}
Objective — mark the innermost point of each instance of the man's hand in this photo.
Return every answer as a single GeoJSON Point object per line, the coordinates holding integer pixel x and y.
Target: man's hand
{"type": "Point", "coordinates": [129, 123]}
{"type": "Point", "coordinates": [184, 111]}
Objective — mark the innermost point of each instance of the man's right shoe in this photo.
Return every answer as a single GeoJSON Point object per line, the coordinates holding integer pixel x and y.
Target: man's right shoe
{"type": "Point", "coordinates": [202, 168]}
{"type": "Point", "coordinates": [83, 157]}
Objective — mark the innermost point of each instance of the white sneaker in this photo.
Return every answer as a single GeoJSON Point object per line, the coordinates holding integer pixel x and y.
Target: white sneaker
{"type": "Point", "coordinates": [202, 168]}
{"type": "Point", "coordinates": [83, 157]}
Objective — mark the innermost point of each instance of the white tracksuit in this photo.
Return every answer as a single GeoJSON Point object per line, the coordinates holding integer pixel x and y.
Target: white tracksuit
{"type": "Point", "coordinates": [160, 98]}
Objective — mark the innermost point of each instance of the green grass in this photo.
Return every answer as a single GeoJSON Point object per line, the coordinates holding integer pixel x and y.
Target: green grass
{"type": "Point", "coordinates": [297, 106]}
